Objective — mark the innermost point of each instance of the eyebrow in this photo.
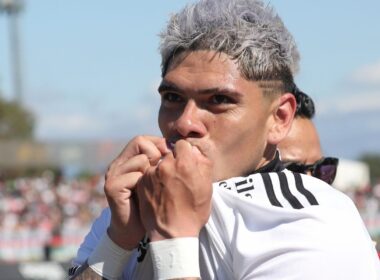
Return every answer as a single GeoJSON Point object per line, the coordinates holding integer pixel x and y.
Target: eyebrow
{"type": "Point", "coordinates": [169, 86]}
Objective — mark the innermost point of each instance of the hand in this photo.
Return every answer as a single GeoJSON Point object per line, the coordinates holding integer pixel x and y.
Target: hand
{"type": "Point", "coordinates": [126, 229]}
{"type": "Point", "coordinates": [175, 196]}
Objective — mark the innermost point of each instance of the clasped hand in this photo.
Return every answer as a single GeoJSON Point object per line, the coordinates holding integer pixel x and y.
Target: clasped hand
{"type": "Point", "coordinates": [152, 189]}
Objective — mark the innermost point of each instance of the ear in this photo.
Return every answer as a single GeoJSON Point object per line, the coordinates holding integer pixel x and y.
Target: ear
{"type": "Point", "coordinates": [282, 118]}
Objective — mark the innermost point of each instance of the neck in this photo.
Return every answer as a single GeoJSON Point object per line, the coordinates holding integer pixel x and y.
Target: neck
{"type": "Point", "coordinates": [269, 155]}
{"type": "Point", "coordinates": [269, 163]}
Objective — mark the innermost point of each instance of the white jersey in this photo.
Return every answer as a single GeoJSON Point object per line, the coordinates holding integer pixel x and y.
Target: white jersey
{"type": "Point", "coordinates": [277, 225]}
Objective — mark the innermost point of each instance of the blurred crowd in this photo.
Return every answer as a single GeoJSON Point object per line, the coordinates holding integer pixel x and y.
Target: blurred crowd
{"type": "Point", "coordinates": [46, 218]}
{"type": "Point", "coordinates": [367, 200]}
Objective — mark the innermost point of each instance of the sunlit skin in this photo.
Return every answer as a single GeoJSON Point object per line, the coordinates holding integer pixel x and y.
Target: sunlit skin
{"type": "Point", "coordinates": [206, 101]}
{"type": "Point", "coordinates": [302, 143]}
{"type": "Point", "coordinates": [220, 125]}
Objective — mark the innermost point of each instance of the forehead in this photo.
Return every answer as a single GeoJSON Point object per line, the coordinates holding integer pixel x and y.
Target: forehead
{"type": "Point", "coordinates": [198, 69]}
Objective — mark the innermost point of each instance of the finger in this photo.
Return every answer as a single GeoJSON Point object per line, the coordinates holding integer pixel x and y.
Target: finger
{"type": "Point", "coordinates": [182, 148]}
{"type": "Point", "coordinates": [197, 153]}
{"type": "Point", "coordinates": [165, 167]}
{"type": "Point", "coordinates": [188, 157]}
{"type": "Point", "coordinates": [136, 163]}
{"type": "Point", "coordinates": [152, 146]}
{"type": "Point", "coordinates": [167, 161]}
{"type": "Point", "coordinates": [149, 184]}
{"type": "Point", "coordinates": [126, 182]}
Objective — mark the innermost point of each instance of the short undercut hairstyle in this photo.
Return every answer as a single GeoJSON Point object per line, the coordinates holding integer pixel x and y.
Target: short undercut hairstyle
{"type": "Point", "coordinates": [248, 31]}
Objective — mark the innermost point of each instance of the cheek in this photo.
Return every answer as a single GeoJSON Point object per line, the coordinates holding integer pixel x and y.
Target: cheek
{"type": "Point", "coordinates": [163, 122]}
{"type": "Point", "coordinates": [248, 139]}
{"type": "Point", "coordinates": [238, 136]}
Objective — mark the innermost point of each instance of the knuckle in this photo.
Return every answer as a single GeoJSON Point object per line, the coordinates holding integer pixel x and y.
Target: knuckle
{"type": "Point", "coordinates": [107, 188]}
{"type": "Point", "coordinates": [182, 164]}
{"type": "Point", "coordinates": [164, 168]}
{"type": "Point", "coordinates": [207, 163]}
{"type": "Point", "coordinates": [108, 174]}
{"type": "Point", "coordinates": [138, 139]}
{"type": "Point", "coordinates": [143, 163]}
{"type": "Point", "coordinates": [144, 159]}
{"type": "Point", "coordinates": [109, 184]}
{"type": "Point", "coordinates": [113, 164]}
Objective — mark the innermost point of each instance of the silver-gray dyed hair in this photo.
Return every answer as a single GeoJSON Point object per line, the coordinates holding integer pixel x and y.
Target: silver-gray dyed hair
{"type": "Point", "coordinates": [247, 30]}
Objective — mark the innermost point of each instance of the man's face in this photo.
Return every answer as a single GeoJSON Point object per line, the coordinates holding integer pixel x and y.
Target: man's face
{"type": "Point", "coordinates": [206, 101]}
{"type": "Point", "coordinates": [302, 143]}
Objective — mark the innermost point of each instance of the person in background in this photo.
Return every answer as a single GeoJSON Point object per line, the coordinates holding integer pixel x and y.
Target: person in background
{"type": "Point", "coordinates": [210, 199]}
{"type": "Point", "coordinates": [301, 149]}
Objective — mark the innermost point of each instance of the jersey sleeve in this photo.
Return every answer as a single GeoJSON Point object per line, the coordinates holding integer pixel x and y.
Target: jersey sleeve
{"type": "Point", "coordinates": [98, 229]}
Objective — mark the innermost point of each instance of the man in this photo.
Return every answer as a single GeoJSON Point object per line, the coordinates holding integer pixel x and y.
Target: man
{"type": "Point", "coordinates": [301, 149]}
{"type": "Point", "coordinates": [227, 74]}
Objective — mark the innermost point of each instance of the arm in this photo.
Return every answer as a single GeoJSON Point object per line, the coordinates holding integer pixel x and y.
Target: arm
{"type": "Point", "coordinates": [98, 229]}
{"type": "Point", "coordinates": [125, 228]}
{"type": "Point", "coordinates": [84, 272]}
{"type": "Point", "coordinates": [107, 260]}
{"type": "Point", "coordinates": [175, 203]}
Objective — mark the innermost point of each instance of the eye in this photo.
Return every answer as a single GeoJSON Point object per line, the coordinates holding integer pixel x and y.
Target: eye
{"type": "Point", "coordinates": [171, 97]}
{"type": "Point", "coordinates": [221, 99]}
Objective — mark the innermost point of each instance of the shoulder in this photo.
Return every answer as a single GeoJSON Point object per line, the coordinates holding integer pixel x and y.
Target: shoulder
{"type": "Point", "coordinates": [293, 218]}
{"type": "Point", "coordinates": [284, 189]}
{"type": "Point", "coordinates": [293, 200]}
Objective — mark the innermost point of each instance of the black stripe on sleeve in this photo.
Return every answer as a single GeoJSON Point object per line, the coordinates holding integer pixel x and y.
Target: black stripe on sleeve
{"type": "Point", "coordinates": [75, 271]}
{"type": "Point", "coordinates": [72, 270]}
{"type": "Point", "coordinates": [301, 188]}
{"type": "Point", "coordinates": [269, 189]}
{"type": "Point", "coordinates": [286, 191]}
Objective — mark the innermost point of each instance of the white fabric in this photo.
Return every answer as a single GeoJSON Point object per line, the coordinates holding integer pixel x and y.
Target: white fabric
{"type": "Point", "coordinates": [108, 259]}
{"type": "Point", "coordinates": [98, 229]}
{"type": "Point", "coordinates": [175, 258]}
{"type": "Point", "coordinates": [247, 237]}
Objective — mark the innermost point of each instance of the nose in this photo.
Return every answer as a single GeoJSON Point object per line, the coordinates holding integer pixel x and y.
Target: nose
{"type": "Point", "coordinates": [190, 123]}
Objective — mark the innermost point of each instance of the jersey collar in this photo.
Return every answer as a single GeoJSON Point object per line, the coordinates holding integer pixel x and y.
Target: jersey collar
{"type": "Point", "coordinates": [275, 165]}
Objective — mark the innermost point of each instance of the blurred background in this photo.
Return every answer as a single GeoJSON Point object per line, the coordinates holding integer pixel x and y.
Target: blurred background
{"type": "Point", "coordinates": [78, 79]}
